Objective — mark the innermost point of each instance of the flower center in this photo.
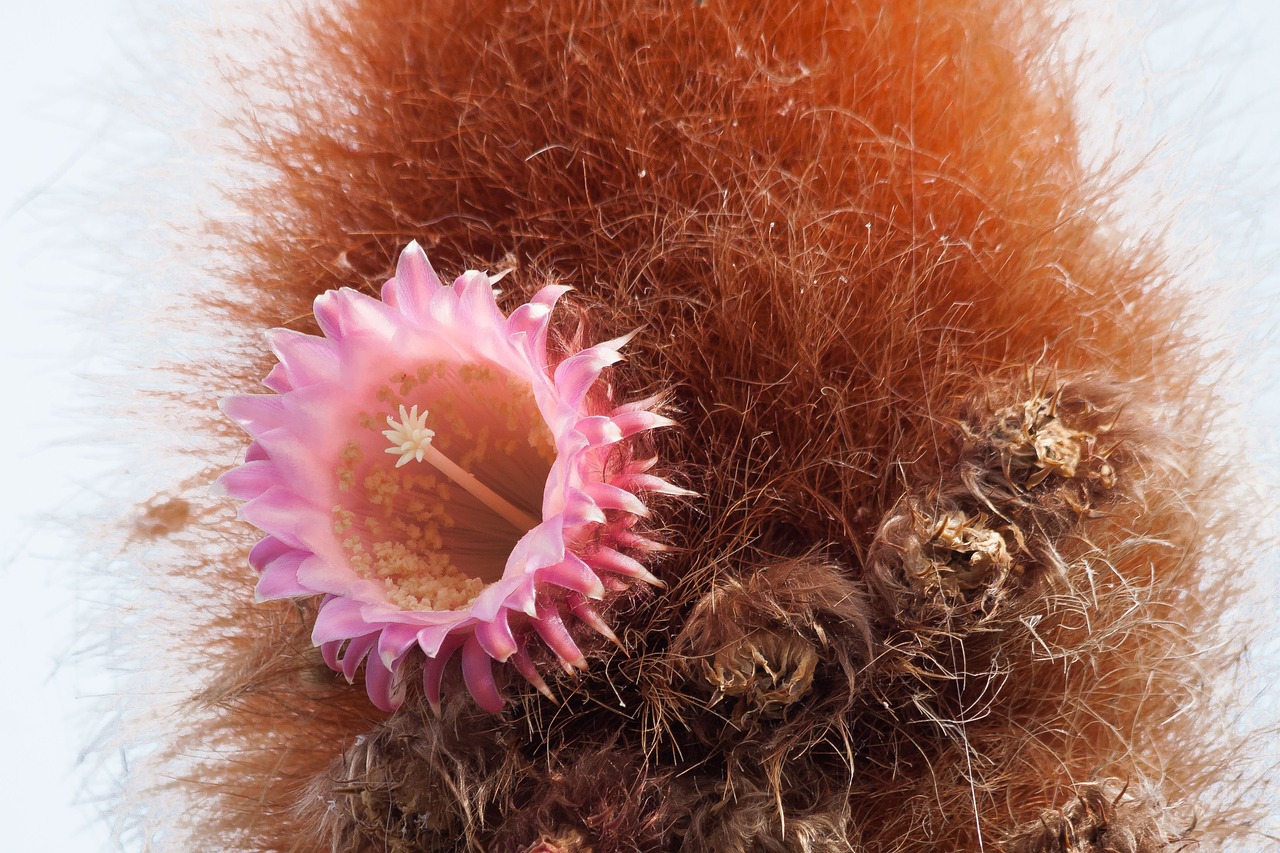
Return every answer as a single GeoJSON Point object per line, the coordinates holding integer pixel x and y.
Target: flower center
{"type": "Point", "coordinates": [434, 516]}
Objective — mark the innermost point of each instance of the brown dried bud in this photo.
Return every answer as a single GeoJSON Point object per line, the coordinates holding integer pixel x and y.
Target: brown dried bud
{"type": "Point", "coordinates": [1100, 819]}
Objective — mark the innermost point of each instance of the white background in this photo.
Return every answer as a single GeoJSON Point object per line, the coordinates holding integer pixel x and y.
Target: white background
{"type": "Point", "coordinates": [1209, 73]}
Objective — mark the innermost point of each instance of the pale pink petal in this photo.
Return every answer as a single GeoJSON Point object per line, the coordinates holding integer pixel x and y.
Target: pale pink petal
{"type": "Point", "coordinates": [575, 575]}
{"type": "Point", "coordinates": [414, 285]}
{"type": "Point", "coordinates": [354, 653]}
{"type": "Point", "coordinates": [280, 578]}
{"type": "Point", "coordinates": [496, 638]}
{"type": "Point", "coordinates": [609, 560]}
{"type": "Point", "coordinates": [394, 641]}
{"type": "Point", "coordinates": [338, 619]}
{"type": "Point", "coordinates": [526, 668]}
{"type": "Point", "coordinates": [380, 684]}
{"type": "Point", "coordinates": [551, 629]}
{"type": "Point", "coordinates": [631, 423]}
{"type": "Point", "coordinates": [477, 672]}
{"type": "Point", "coordinates": [607, 496]}
{"type": "Point", "coordinates": [588, 614]}
{"type": "Point", "coordinates": [255, 413]}
{"type": "Point", "coordinates": [249, 480]}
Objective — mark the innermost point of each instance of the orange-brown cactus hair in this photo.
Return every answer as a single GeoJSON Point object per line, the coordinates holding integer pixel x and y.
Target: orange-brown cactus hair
{"type": "Point", "coordinates": [951, 579]}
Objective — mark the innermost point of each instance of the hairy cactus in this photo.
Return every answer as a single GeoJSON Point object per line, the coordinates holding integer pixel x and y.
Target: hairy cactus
{"type": "Point", "coordinates": [894, 525]}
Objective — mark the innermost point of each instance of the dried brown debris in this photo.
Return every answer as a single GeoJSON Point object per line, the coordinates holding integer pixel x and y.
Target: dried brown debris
{"type": "Point", "coordinates": [1104, 817]}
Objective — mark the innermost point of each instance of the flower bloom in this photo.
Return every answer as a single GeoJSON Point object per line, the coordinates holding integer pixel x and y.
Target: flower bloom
{"type": "Point", "coordinates": [424, 468]}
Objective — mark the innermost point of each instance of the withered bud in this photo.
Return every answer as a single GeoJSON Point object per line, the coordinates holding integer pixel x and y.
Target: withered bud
{"type": "Point", "coordinates": [1104, 817]}
{"type": "Point", "coordinates": [766, 670]}
{"type": "Point", "coordinates": [569, 841]}
{"type": "Point", "coordinates": [760, 639]}
{"type": "Point", "coordinates": [1035, 441]}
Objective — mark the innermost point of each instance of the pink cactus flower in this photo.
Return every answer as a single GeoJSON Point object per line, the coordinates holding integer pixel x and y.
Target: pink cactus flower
{"type": "Point", "coordinates": [424, 468]}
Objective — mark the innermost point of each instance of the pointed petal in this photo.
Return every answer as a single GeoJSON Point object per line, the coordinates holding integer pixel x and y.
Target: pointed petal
{"type": "Point", "coordinates": [355, 653]}
{"type": "Point", "coordinates": [551, 629]}
{"type": "Point", "coordinates": [339, 619]}
{"type": "Point", "coordinates": [394, 641]}
{"type": "Point", "coordinates": [477, 672]}
{"type": "Point", "coordinates": [495, 637]}
{"type": "Point", "coordinates": [255, 413]}
{"type": "Point", "coordinates": [278, 379]}
{"type": "Point", "coordinates": [277, 511]}
{"type": "Point", "coordinates": [255, 453]}
{"type": "Point", "coordinates": [330, 651]}
{"type": "Point", "coordinates": [280, 578]}
{"type": "Point", "coordinates": [433, 671]}
{"type": "Point", "coordinates": [639, 421]}
{"type": "Point", "coordinates": [609, 560]}
{"type": "Point", "coordinates": [524, 665]}
{"type": "Point", "coordinates": [414, 284]}
{"type": "Point", "coordinates": [346, 312]}
{"type": "Point", "coordinates": [650, 483]}
{"type": "Point", "coordinates": [307, 359]}
{"type": "Point", "coordinates": [584, 611]}
{"type": "Point", "coordinates": [607, 496]}
{"type": "Point", "coordinates": [580, 509]}
{"type": "Point", "coordinates": [599, 431]}
{"type": "Point", "coordinates": [431, 639]}
{"type": "Point", "coordinates": [249, 480]}
{"type": "Point", "coordinates": [380, 683]}
{"type": "Point", "coordinates": [265, 551]}
{"type": "Point", "coordinates": [576, 374]}
{"type": "Point", "coordinates": [573, 574]}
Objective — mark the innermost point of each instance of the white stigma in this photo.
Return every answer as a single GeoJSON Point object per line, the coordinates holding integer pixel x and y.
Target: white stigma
{"type": "Point", "coordinates": [409, 436]}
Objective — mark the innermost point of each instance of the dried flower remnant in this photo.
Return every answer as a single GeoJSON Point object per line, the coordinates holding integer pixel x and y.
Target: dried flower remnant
{"type": "Point", "coordinates": [1034, 442]}
{"type": "Point", "coordinates": [765, 670]}
{"type": "Point", "coordinates": [961, 554]}
{"type": "Point", "coordinates": [507, 492]}
{"type": "Point", "coordinates": [1104, 817]}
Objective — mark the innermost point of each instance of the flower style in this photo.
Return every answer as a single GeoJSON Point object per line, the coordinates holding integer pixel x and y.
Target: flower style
{"type": "Point", "coordinates": [425, 469]}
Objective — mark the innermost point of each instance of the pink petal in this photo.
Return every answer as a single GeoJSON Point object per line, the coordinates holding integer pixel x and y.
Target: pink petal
{"type": "Point", "coordinates": [255, 452]}
{"type": "Point", "coordinates": [265, 551]}
{"type": "Point", "coordinates": [307, 358]}
{"type": "Point", "coordinates": [339, 619]}
{"type": "Point", "coordinates": [650, 483]}
{"type": "Point", "coordinates": [609, 560]}
{"type": "Point", "coordinates": [607, 496]}
{"type": "Point", "coordinates": [255, 413]}
{"type": "Point", "coordinates": [329, 651]}
{"type": "Point", "coordinates": [580, 509]}
{"type": "Point", "coordinates": [477, 672]}
{"type": "Point", "coordinates": [495, 638]}
{"type": "Point", "coordinates": [277, 511]}
{"type": "Point", "coordinates": [551, 629]}
{"type": "Point", "coordinates": [524, 665]}
{"type": "Point", "coordinates": [394, 641]}
{"type": "Point", "coordinates": [346, 313]}
{"type": "Point", "coordinates": [638, 421]}
{"type": "Point", "coordinates": [433, 671]}
{"type": "Point", "coordinates": [278, 379]}
{"type": "Point", "coordinates": [414, 285]}
{"type": "Point", "coordinates": [356, 651]}
{"type": "Point", "coordinates": [573, 574]}
{"type": "Point", "coordinates": [531, 318]}
{"type": "Point", "coordinates": [249, 480]}
{"type": "Point", "coordinates": [584, 611]}
{"type": "Point", "coordinates": [318, 574]}
{"type": "Point", "coordinates": [576, 374]}
{"type": "Point", "coordinates": [599, 431]}
{"type": "Point", "coordinates": [380, 683]}
{"type": "Point", "coordinates": [431, 639]}
{"type": "Point", "coordinates": [280, 578]}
